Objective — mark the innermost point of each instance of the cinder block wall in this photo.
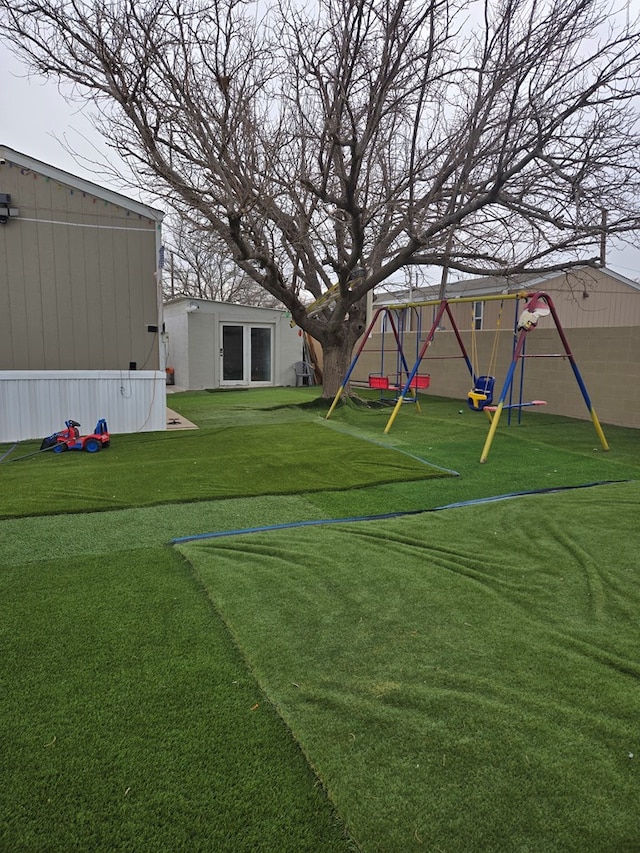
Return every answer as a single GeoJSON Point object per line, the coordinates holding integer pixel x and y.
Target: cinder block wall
{"type": "Point", "coordinates": [608, 360]}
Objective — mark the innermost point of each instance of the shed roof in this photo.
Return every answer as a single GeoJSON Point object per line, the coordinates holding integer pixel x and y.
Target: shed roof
{"type": "Point", "coordinates": [197, 301]}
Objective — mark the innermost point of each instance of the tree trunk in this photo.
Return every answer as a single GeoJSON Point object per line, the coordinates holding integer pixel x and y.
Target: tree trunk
{"type": "Point", "coordinates": [337, 347]}
{"type": "Point", "coordinates": [336, 358]}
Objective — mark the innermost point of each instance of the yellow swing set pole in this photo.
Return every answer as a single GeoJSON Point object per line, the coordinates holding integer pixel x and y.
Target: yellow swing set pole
{"type": "Point", "coordinates": [394, 414]}
{"type": "Point", "coordinates": [335, 402]}
{"type": "Point", "coordinates": [492, 431]}
{"type": "Point", "coordinates": [598, 429]}
{"type": "Point", "coordinates": [503, 395]}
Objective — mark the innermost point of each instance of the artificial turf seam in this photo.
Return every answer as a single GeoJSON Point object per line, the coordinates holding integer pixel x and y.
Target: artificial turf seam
{"type": "Point", "coordinates": [387, 446]}
{"type": "Point", "coordinates": [199, 583]}
{"type": "Point", "coordinates": [388, 515]}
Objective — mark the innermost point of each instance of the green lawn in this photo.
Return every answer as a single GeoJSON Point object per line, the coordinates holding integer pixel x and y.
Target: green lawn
{"type": "Point", "coordinates": [464, 680]}
{"type": "Point", "coordinates": [208, 464]}
{"type": "Point", "coordinates": [461, 680]}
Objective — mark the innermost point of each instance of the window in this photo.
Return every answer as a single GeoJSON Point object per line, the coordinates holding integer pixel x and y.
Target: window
{"type": "Point", "coordinates": [478, 315]}
{"type": "Point", "coordinates": [260, 354]}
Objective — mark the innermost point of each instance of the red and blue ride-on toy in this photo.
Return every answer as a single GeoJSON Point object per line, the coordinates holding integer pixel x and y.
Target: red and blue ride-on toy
{"type": "Point", "coordinates": [70, 438]}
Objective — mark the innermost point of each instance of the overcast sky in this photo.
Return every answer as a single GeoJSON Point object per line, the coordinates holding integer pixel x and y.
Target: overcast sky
{"type": "Point", "coordinates": [36, 120]}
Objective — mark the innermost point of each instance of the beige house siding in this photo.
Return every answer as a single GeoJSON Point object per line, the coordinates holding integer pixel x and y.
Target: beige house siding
{"type": "Point", "coordinates": [586, 297]}
{"type": "Point", "coordinates": [593, 298]}
{"type": "Point", "coordinates": [78, 283]}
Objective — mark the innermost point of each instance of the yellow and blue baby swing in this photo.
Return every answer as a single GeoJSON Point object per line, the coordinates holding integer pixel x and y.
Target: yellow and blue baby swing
{"type": "Point", "coordinates": [481, 394]}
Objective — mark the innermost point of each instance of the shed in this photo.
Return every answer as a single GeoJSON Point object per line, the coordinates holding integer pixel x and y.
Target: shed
{"type": "Point", "coordinates": [224, 345]}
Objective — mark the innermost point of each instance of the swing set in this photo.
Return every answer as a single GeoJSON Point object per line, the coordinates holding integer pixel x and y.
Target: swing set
{"type": "Point", "coordinates": [481, 396]}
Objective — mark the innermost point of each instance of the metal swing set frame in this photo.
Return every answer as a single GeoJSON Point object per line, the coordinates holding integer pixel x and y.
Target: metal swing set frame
{"type": "Point", "coordinates": [492, 411]}
{"type": "Point", "coordinates": [392, 384]}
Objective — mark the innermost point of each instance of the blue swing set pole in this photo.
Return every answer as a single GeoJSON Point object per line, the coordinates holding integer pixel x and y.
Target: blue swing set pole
{"type": "Point", "coordinates": [401, 362]}
{"type": "Point", "coordinates": [411, 373]}
{"type": "Point", "coordinates": [503, 394]}
{"type": "Point", "coordinates": [521, 405]}
{"type": "Point", "coordinates": [399, 342]}
{"type": "Point", "coordinates": [513, 346]}
{"type": "Point", "coordinates": [579, 380]}
{"type": "Point", "coordinates": [521, 386]}
{"type": "Point", "coordinates": [398, 332]}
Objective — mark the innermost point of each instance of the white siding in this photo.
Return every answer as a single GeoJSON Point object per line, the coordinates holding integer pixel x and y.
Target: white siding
{"type": "Point", "coordinates": [34, 403]}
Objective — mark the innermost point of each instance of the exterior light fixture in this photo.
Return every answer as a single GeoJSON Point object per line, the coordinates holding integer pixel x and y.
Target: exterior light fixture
{"type": "Point", "coordinates": [6, 211]}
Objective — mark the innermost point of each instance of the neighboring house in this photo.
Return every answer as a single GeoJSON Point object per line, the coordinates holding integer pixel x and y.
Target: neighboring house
{"type": "Point", "coordinates": [223, 345]}
{"type": "Point", "coordinates": [80, 304]}
{"type": "Point", "coordinates": [598, 309]}
{"type": "Point", "coordinates": [585, 297]}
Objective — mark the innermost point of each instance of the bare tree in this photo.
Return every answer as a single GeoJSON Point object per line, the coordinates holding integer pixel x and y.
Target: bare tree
{"type": "Point", "coordinates": [354, 136]}
{"type": "Point", "coordinates": [198, 265]}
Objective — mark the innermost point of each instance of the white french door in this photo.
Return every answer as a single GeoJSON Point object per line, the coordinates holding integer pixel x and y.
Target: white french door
{"type": "Point", "coordinates": [246, 354]}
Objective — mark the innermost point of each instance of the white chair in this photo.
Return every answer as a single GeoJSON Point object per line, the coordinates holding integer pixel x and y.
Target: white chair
{"type": "Point", "coordinates": [304, 373]}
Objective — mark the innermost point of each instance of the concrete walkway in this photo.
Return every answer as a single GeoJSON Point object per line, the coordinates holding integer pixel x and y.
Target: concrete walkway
{"type": "Point", "coordinates": [176, 421]}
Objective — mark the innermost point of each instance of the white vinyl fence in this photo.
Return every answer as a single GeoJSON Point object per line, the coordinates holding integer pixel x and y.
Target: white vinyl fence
{"type": "Point", "coordinates": [36, 403]}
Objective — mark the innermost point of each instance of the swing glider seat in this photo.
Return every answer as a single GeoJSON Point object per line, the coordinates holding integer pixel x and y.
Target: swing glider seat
{"type": "Point", "coordinates": [421, 381]}
{"type": "Point", "coordinates": [385, 384]}
{"type": "Point", "coordinates": [379, 382]}
{"type": "Point", "coordinates": [481, 395]}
